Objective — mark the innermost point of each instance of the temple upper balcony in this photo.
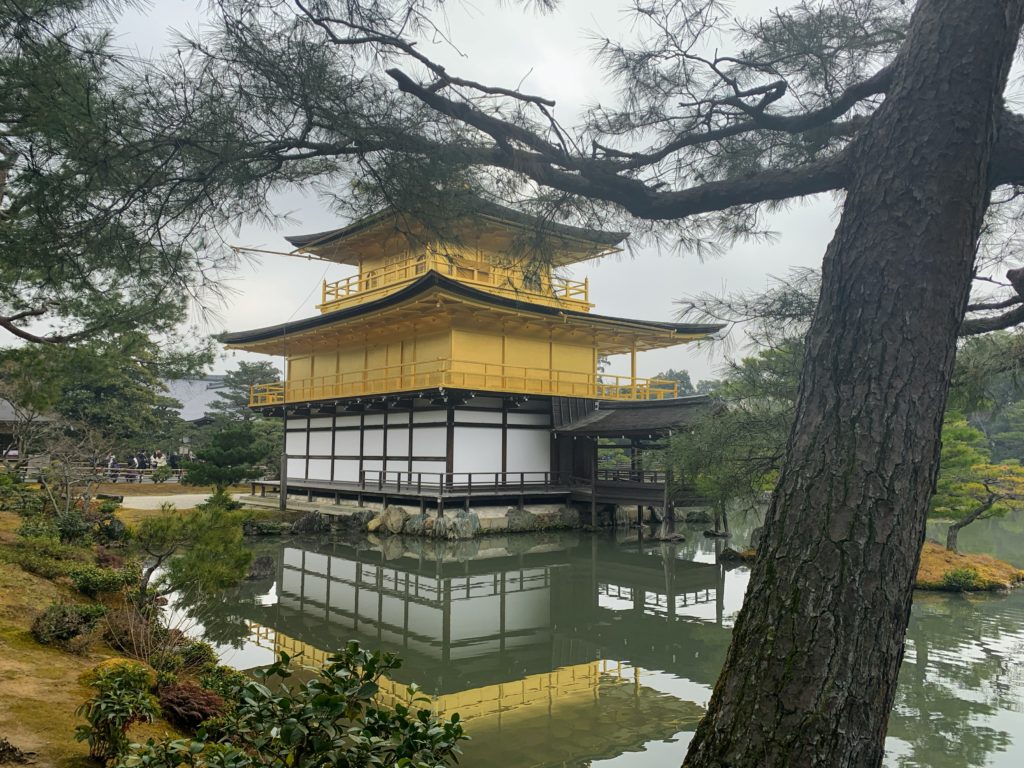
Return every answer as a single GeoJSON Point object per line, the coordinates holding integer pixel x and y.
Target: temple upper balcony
{"type": "Point", "coordinates": [527, 283]}
{"type": "Point", "coordinates": [492, 249]}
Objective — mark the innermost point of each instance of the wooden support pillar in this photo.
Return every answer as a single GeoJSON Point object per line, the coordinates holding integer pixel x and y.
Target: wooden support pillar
{"type": "Point", "coordinates": [632, 370]}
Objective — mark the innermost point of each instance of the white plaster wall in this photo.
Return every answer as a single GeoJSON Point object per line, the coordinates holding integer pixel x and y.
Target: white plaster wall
{"type": "Point", "coordinates": [294, 423]}
{"type": "Point", "coordinates": [477, 449]}
{"type": "Point", "coordinates": [373, 441]}
{"type": "Point", "coordinates": [477, 417]}
{"type": "Point", "coordinates": [319, 469]}
{"type": "Point", "coordinates": [319, 443]}
{"type": "Point", "coordinates": [529, 450]}
{"type": "Point", "coordinates": [346, 470]}
{"type": "Point", "coordinates": [373, 418]}
{"type": "Point", "coordinates": [295, 443]}
{"type": "Point", "coordinates": [348, 420]}
{"type": "Point", "coordinates": [428, 468]}
{"type": "Point", "coordinates": [428, 441]}
{"type": "Point", "coordinates": [398, 441]}
{"type": "Point", "coordinates": [430, 414]}
{"type": "Point", "coordinates": [346, 443]}
{"type": "Point", "coordinates": [297, 469]}
{"type": "Point", "coordinates": [322, 421]}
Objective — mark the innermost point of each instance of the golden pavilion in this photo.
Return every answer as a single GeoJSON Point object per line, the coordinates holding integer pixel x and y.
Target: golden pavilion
{"type": "Point", "coordinates": [447, 365]}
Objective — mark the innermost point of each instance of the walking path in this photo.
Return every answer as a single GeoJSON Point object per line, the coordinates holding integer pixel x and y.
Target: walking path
{"type": "Point", "coordinates": [180, 500]}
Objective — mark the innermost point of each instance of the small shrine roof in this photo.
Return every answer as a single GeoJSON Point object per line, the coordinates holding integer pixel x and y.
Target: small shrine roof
{"type": "Point", "coordinates": [640, 417]}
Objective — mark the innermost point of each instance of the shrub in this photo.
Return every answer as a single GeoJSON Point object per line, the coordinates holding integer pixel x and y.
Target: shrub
{"type": "Point", "coordinates": [187, 705]}
{"type": "Point", "coordinates": [224, 681]}
{"type": "Point", "coordinates": [18, 497]}
{"type": "Point", "coordinates": [198, 655]}
{"type": "Point", "coordinates": [61, 623]}
{"type": "Point", "coordinates": [167, 661]}
{"type": "Point", "coordinates": [38, 527]}
{"type": "Point", "coordinates": [122, 699]}
{"type": "Point", "coordinates": [962, 579]}
{"type": "Point", "coordinates": [299, 727]}
{"type": "Point", "coordinates": [104, 526]}
{"type": "Point", "coordinates": [161, 474]}
{"type": "Point", "coordinates": [91, 580]}
{"type": "Point", "coordinates": [48, 557]}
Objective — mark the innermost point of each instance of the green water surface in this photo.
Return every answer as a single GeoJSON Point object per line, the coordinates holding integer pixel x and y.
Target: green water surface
{"type": "Point", "coordinates": [575, 649]}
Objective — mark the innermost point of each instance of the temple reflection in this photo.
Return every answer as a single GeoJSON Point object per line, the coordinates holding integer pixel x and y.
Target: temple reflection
{"type": "Point", "coordinates": [556, 649]}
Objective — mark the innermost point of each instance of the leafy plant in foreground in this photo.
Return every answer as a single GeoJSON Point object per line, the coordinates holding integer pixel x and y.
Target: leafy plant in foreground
{"type": "Point", "coordinates": [122, 699]}
{"type": "Point", "coordinates": [332, 719]}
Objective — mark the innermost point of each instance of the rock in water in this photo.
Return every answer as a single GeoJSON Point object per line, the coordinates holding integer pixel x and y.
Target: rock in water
{"type": "Point", "coordinates": [394, 519]}
{"type": "Point", "coordinates": [416, 525]}
{"type": "Point", "coordinates": [717, 534]}
{"type": "Point", "coordinates": [465, 525]}
{"type": "Point", "coordinates": [698, 516]}
{"type": "Point", "coordinates": [311, 522]}
{"type": "Point", "coordinates": [521, 520]}
{"type": "Point", "coordinates": [374, 524]}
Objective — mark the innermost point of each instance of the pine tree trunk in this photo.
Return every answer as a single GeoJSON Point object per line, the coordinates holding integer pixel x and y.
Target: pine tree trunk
{"type": "Point", "coordinates": [954, 528]}
{"type": "Point", "coordinates": [951, 536]}
{"type": "Point", "coordinates": [811, 673]}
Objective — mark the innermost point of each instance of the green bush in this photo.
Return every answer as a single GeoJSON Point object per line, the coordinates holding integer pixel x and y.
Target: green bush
{"type": "Point", "coordinates": [38, 527]}
{"type": "Point", "coordinates": [122, 699]}
{"type": "Point", "coordinates": [47, 557]}
{"type": "Point", "coordinates": [104, 526]}
{"type": "Point", "coordinates": [962, 579]}
{"type": "Point", "coordinates": [92, 581]}
{"type": "Point", "coordinates": [332, 719]}
{"type": "Point", "coordinates": [61, 623]}
{"type": "Point", "coordinates": [161, 474]}
{"type": "Point", "coordinates": [18, 497]}
{"type": "Point", "coordinates": [225, 681]}
{"type": "Point", "coordinates": [198, 655]}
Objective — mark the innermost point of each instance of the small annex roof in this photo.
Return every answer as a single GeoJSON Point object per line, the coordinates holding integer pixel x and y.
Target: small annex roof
{"type": "Point", "coordinates": [346, 245]}
{"type": "Point", "coordinates": [641, 417]}
{"type": "Point", "coordinates": [267, 339]}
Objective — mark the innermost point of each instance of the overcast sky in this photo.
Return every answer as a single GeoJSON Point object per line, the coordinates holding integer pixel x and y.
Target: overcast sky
{"type": "Point", "coordinates": [547, 55]}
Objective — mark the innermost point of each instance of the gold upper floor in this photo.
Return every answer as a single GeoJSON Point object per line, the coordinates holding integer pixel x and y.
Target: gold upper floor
{"type": "Point", "coordinates": [485, 270]}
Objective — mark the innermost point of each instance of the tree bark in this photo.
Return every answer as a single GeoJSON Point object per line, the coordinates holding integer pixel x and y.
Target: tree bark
{"type": "Point", "coordinates": [811, 672]}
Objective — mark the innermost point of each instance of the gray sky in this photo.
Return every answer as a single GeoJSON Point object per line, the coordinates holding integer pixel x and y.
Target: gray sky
{"type": "Point", "coordinates": [547, 55]}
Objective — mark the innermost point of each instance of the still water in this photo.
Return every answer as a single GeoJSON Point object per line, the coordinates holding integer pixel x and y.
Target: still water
{"type": "Point", "coordinates": [574, 649]}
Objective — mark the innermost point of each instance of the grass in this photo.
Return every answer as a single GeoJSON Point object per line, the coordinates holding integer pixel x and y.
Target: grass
{"type": "Point", "coordinates": [40, 684]}
{"type": "Point", "coordinates": [948, 571]}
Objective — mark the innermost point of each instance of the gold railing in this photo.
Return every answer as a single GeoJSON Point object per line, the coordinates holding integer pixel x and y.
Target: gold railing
{"type": "Point", "coordinates": [462, 374]}
{"type": "Point", "coordinates": [511, 283]}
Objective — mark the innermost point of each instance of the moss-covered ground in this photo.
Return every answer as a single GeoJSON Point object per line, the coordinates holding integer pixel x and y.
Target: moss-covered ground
{"type": "Point", "coordinates": [39, 685]}
{"type": "Point", "coordinates": [941, 569]}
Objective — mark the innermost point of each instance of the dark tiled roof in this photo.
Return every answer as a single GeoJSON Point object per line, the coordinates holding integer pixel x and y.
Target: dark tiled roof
{"type": "Point", "coordinates": [474, 206]}
{"type": "Point", "coordinates": [644, 417]}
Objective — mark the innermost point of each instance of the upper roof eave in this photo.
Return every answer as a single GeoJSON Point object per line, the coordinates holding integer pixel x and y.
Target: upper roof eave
{"type": "Point", "coordinates": [434, 280]}
{"type": "Point", "coordinates": [479, 207]}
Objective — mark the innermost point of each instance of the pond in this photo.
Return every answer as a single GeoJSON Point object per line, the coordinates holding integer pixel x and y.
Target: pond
{"type": "Point", "coordinates": [576, 649]}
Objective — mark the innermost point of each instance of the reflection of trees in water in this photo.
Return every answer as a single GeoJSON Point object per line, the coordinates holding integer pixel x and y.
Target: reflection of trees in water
{"type": "Point", "coordinates": [958, 675]}
{"type": "Point", "coordinates": [219, 610]}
